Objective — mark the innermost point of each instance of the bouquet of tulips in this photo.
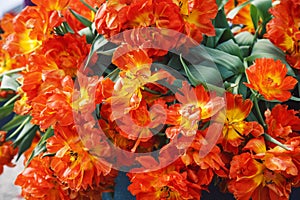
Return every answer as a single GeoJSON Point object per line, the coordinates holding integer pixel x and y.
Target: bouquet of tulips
{"type": "Point", "coordinates": [177, 94]}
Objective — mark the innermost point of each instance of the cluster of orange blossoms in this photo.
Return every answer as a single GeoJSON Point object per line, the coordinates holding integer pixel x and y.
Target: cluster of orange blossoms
{"type": "Point", "coordinates": [173, 137]}
{"type": "Point", "coordinates": [284, 30]}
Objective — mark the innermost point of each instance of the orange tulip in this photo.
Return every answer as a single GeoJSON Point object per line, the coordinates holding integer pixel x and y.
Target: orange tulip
{"type": "Point", "coordinates": [197, 16]}
{"type": "Point", "coordinates": [51, 5]}
{"type": "Point", "coordinates": [210, 163]}
{"type": "Point", "coordinates": [7, 152]}
{"type": "Point", "coordinates": [31, 27]}
{"type": "Point", "coordinates": [284, 30]}
{"type": "Point", "coordinates": [269, 174]}
{"type": "Point", "coordinates": [80, 8]}
{"type": "Point", "coordinates": [6, 24]}
{"type": "Point", "coordinates": [282, 122]}
{"type": "Point", "coordinates": [268, 77]}
{"type": "Point", "coordinates": [5, 61]}
{"type": "Point", "coordinates": [53, 103]}
{"type": "Point", "coordinates": [72, 163]}
{"type": "Point", "coordinates": [243, 16]}
{"type": "Point", "coordinates": [172, 182]}
{"type": "Point", "coordinates": [39, 182]}
{"type": "Point", "coordinates": [66, 52]}
{"type": "Point", "coordinates": [196, 104]}
{"type": "Point", "coordinates": [235, 127]}
{"type": "Point", "coordinates": [130, 60]}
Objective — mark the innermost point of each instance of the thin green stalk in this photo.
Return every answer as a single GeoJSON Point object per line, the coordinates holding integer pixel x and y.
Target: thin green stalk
{"type": "Point", "coordinates": [11, 100]}
{"type": "Point", "coordinates": [88, 6]}
{"type": "Point", "coordinates": [18, 129]}
{"type": "Point", "coordinates": [273, 140]}
{"type": "Point", "coordinates": [255, 100]}
{"type": "Point", "coordinates": [256, 106]}
{"type": "Point", "coordinates": [114, 74]}
{"type": "Point", "coordinates": [261, 119]}
{"type": "Point", "coordinates": [256, 35]}
{"type": "Point", "coordinates": [237, 82]}
{"type": "Point", "coordinates": [151, 91]}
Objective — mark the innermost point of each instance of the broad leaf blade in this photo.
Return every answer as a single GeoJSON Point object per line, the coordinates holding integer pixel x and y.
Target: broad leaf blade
{"type": "Point", "coordinates": [16, 121]}
{"type": "Point", "coordinates": [244, 38]}
{"type": "Point", "coordinates": [231, 48]}
{"type": "Point", "coordinates": [265, 49]}
{"type": "Point", "coordinates": [9, 83]}
{"type": "Point", "coordinates": [81, 19]}
{"type": "Point", "coordinates": [226, 61]}
{"type": "Point", "coordinates": [6, 110]}
{"type": "Point", "coordinates": [41, 146]}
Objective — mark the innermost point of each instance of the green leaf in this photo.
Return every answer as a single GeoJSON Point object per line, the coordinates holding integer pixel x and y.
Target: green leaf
{"type": "Point", "coordinates": [225, 73]}
{"type": "Point", "coordinates": [41, 146]}
{"type": "Point", "coordinates": [26, 141]}
{"type": "Point", "coordinates": [81, 19]}
{"type": "Point", "coordinates": [3, 99]}
{"type": "Point", "coordinates": [109, 52]}
{"type": "Point", "coordinates": [28, 128]}
{"type": "Point", "coordinates": [14, 122]}
{"type": "Point", "coordinates": [251, 117]}
{"type": "Point", "coordinates": [263, 7]}
{"type": "Point", "coordinates": [221, 3]}
{"type": "Point", "coordinates": [97, 45]}
{"type": "Point", "coordinates": [12, 100]}
{"type": "Point", "coordinates": [244, 38]}
{"type": "Point", "coordinates": [67, 28]}
{"type": "Point", "coordinates": [6, 110]}
{"type": "Point", "coordinates": [175, 62]}
{"type": "Point", "coordinates": [205, 75]}
{"type": "Point", "coordinates": [114, 74]}
{"type": "Point", "coordinates": [273, 140]}
{"type": "Point", "coordinates": [89, 33]}
{"type": "Point", "coordinates": [226, 61]}
{"type": "Point", "coordinates": [88, 6]}
{"type": "Point", "coordinates": [293, 98]}
{"type": "Point", "coordinates": [220, 22]}
{"type": "Point", "coordinates": [243, 89]}
{"type": "Point", "coordinates": [222, 34]}
{"type": "Point", "coordinates": [260, 10]}
{"type": "Point", "coordinates": [194, 81]}
{"type": "Point", "coordinates": [245, 50]}
{"type": "Point", "coordinates": [236, 10]}
{"type": "Point", "coordinates": [265, 49]}
{"type": "Point", "coordinates": [254, 16]}
{"type": "Point", "coordinates": [9, 83]}
{"type": "Point", "coordinates": [16, 132]}
{"type": "Point", "coordinates": [231, 48]}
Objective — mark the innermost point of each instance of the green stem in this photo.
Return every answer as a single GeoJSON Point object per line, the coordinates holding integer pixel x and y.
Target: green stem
{"type": "Point", "coordinates": [273, 140]}
{"type": "Point", "coordinates": [88, 6]}
{"type": "Point", "coordinates": [151, 91]}
{"type": "Point", "coordinates": [256, 35]}
{"type": "Point", "coordinates": [237, 82]}
{"type": "Point", "coordinates": [256, 106]}
{"type": "Point", "coordinates": [11, 100]}
{"type": "Point", "coordinates": [18, 129]}
{"type": "Point", "coordinates": [255, 101]}
{"type": "Point", "coordinates": [114, 74]}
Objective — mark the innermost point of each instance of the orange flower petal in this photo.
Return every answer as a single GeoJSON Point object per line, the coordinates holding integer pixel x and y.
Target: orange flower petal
{"type": "Point", "coordinates": [268, 77]}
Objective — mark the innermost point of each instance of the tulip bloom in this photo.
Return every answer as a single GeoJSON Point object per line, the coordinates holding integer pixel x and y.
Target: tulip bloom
{"type": "Point", "coordinates": [284, 30]}
{"type": "Point", "coordinates": [268, 77]}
